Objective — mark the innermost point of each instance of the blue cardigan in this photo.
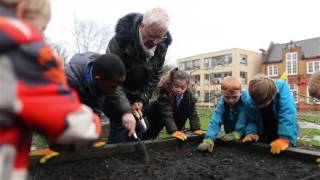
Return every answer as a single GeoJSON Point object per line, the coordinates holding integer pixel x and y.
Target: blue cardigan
{"type": "Point", "coordinates": [285, 111]}
{"type": "Point", "coordinates": [234, 120]}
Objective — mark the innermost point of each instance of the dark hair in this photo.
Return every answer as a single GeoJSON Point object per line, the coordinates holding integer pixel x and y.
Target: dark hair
{"type": "Point", "coordinates": [108, 66]}
{"type": "Point", "coordinates": [170, 76]}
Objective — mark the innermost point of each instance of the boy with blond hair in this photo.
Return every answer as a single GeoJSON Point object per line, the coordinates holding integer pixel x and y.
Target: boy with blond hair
{"type": "Point", "coordinates": [271, 114]}
{"type": "Point", "coordinates": [229, 112]}
{"type": "Point", "coordinates": [38, 12]}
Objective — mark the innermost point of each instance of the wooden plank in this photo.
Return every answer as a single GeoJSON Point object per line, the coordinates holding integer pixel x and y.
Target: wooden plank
{"type": "Point", "coordinates": [193, 140]}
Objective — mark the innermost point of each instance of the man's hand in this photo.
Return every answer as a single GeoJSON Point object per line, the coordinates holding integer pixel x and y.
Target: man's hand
{"type": "Point", "coordinates": [179, 135]}
{"type": "Point", "coordinates": [206, 145]}
{"type": "Point", "coordinates": [250, 138]}
{"type": "Point", "coordinates": [231, 136]}
{"type": "Point", "coordinates": [199, 132]}
{"type": "Point", "coordinates": [279, 145]}
{"type": "Point", "coordinates": [129, 122]}
{"type": "Point", "coordinates": [138, 106]}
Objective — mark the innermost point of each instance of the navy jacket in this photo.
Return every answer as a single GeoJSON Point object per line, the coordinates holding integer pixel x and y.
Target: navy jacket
{"type": "Point", "coordinates": [76, 72]}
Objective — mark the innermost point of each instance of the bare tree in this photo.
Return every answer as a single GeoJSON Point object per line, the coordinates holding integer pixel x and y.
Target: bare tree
{"type": "Point", "coordinates": [61, 51]}
{"type": "Point", "coordinates": [89, 35]}
{"type": "Point", "coordinates": [59, 48]}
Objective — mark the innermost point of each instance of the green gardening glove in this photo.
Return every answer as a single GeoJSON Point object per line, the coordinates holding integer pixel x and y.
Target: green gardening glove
{"type": "Point", "coordinates": [231, 136]}
{"type": "Point", "coordinates": [206, 145]}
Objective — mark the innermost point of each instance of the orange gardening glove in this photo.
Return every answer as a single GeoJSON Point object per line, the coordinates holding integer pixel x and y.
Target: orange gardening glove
{"type": "Point", "coordinates": [250, 138]}
{"type": "Point", "coordinates": [98, 144]}
{"type": "Point", "coordinates": [179, 135]}
{"type": "Point", "coordinates": [46, 154]}
{"type": "Point", "coordinates": [279, 145]}
{"type": "Point", "coordinates": [199, 132]}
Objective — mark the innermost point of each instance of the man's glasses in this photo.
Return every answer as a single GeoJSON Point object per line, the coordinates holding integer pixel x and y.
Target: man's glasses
{"type": "Point", "coordinates": [155, 37]}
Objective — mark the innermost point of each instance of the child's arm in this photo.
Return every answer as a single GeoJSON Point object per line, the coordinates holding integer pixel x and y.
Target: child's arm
{"type": "Point", "coordinates": [215, 121]}
{"type": "Point", "coordinates": [194, 118]}
{"type": "Point", "coordinates": [166, 113]}
{"type": "Point", "coordinates": [287, 127]}
{"type": "Point", "coordinates": [251, 127]}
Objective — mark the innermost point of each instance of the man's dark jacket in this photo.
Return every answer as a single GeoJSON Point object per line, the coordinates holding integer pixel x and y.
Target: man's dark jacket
{"type": "Point", "coordinates": [142, 76]}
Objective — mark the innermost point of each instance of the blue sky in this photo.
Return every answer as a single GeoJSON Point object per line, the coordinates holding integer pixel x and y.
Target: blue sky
{"type": "Point", "coordinates": [200, 26]}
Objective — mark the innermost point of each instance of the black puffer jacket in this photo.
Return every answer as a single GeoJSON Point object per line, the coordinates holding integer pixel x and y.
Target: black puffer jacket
{"type": "Point", "coordinates": [165, 111]}
{"type": "Point", "coordinates": [142, 76]}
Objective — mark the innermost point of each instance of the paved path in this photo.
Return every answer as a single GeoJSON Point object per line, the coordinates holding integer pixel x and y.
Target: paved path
{"type": "Point", "coordinates": [308, 125]}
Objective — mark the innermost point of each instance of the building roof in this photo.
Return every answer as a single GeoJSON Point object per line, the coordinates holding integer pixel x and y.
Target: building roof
{"type": "Point", "coordinates": [310, 48]}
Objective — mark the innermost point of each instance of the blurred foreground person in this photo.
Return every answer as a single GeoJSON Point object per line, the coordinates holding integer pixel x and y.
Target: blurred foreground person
{"type": "Point", "coordinates": [34, 93]}
{"type": "Point", "coordinates": [314, 85]}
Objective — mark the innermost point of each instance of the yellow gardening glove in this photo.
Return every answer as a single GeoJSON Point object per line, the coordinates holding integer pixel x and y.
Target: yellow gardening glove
{"type": "Point", "coordinates": [179, 135]}
{"type": "Point", "coordinates": [250, 138]}
{"type": "Point", "coordinates": [318, 161]}
{"type": "Point", "coordinates": [45, 153]}
{"type": "Point", "coordinates": [206, 145]}
{"type": "Point", "coordinates": [279, 145]}
{"type": "Point", "coordinates": [98, 144]}
{"type": "Point", "coordinates": [231, 136]}
{"type": "Point", "coordinates": [199, 132]}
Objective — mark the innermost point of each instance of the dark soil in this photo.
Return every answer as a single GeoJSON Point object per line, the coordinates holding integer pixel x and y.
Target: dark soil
{"type": "Point", "coordinates": [183, 163]}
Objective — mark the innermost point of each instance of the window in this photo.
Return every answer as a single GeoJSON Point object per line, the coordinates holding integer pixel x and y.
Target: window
{"type": "Point", "coordinates": [196, 79]}
{"type": "Point", "coordinates": [197, 94]}
{"type": "Point", "coordinates": [273, 70]}
{"type": "Point", "coordinates": [208, 95]}
{"type": "Point", "coordinates": [189, 65]}
{"type": "Point", "coordinates": [206, 79]}
{"type": "Point", "coordinates": [217, 78]}
{"type": "Point", "coordinates": [243, 77]}
{"type": "Point", "coordinates": [225, 74]}
{"type": "Point", "coordinates": [196, 63]}
{"type": "Point", "coordinates": [224, 60]}
{"type": "Point", "coordinates": [294, 90]}
{"type": "Point", "coordinates": [228, 60]}
{"type": "Point", "coordinates": [313, 67]}
{"type": "Point", "coordinates": [182, 66]}
{"type": "Point", "coordinates": [291, 63]}
{"type": "Point", "coordinates": [243, 59]}
{"type": "Point", "coordinates": [207, 62]}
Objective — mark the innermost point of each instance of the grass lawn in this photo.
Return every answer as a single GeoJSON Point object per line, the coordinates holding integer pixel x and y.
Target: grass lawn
{"type": "Point", "coordinates": [307, 136]}
{"type": "Point", "coordinates": [309, 118]}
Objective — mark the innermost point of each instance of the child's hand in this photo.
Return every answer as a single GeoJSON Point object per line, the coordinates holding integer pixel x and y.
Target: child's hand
{"type": "Point", "coordinates": [179, 135]}
{"type": "Point", "coordinates": [231, 136]}
{"type": "Point", "coordinates": [199, 132]}
{"type": "Point", "coordinates": [250, 138]}
{"type": "Point", "coordinates": [206, 145]}
{"type": "Point", "coordinates": [279, 145]}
